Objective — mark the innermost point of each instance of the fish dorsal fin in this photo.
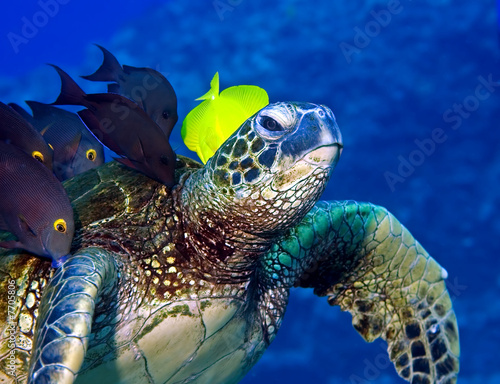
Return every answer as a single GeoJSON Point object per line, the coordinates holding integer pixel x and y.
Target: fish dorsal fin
{"type": "Point", "coordinates": [71, 93]}
{"type": "Point", "coordinates": [211, 123]}
{"type": "Point", "coordinates": [249, 98]}
{"type": "Point", "coordinates": [214, 89]}
{"type": "Point", "coordinates": [22, 134]}
{"type": "Point", "coordinates": [24, 113]}
{"type": "Point", "coordinates": [40, 110]}
{"type": "Point", "coordinates": [110, 69]}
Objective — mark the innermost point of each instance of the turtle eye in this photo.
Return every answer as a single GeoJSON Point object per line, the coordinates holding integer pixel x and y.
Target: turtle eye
{"type": "Point", "coordinates": [60, 225]}
{"type": "Point", "coordinates": [37, 156]}
{"type": "Point", "coordinates": [165, 115]}
{"type": "Point", "coordinates": [91, 154]}
{"type": "Point", "coordinates": [270, 124]}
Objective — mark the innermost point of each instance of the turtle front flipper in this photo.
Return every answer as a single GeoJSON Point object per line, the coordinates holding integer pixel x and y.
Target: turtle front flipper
{"type": "Point", "coordinates": [364, 260]}
{"type": "Point", "coordinates": [65, 316]}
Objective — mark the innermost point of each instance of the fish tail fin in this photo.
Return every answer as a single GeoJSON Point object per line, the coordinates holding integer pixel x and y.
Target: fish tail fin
{"type": "Point", "coordinates": [71, 93]}
{"type": "Point", "coordinates": [214, 89]}
{"type": "Point", "coordinates": [109, 70]}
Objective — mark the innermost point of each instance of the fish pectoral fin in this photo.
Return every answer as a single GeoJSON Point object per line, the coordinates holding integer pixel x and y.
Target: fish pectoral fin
{"type": "Point", "coordinates": [23, 223]}
{"type": "Point", "coordinates": [73, 145]}
{"type": "Point", "coordinates": [12, 244]}
{"type": "Point", "coordinates": [129, 163]}
{"type": "Point", "coordinates": [138, 150]}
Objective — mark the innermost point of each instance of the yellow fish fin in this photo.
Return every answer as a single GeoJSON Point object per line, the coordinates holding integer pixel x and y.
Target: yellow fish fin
{"type": "Point", "coordinates": [206, 151]}
{"type": "Point", "coordinates": [195, 127]}
{"type": "Point", "coordinates": [214, 89]}
{"type": "Point", "coordinates": [211, 123]}
{"type": "Point", "coordinates": [250, 98]}
{"type": "Point", "coordinates": [239, 103]}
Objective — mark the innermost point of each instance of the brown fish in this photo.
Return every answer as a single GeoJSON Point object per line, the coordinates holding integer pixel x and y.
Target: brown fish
{"type": "Point", "coordinates": [34, 206]}
{"type": "Point", "coordinates": [146, 86]}
{"type": "Point", "coordinates": [76, 150]}
{"type": "Point", "coordinates": [124, 127]}
{"type": "Point", "coordinates": [15, 130]}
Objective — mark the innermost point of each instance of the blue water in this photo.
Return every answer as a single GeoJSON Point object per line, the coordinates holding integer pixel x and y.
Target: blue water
{"type": "Point", "coordinates": [411, 84]}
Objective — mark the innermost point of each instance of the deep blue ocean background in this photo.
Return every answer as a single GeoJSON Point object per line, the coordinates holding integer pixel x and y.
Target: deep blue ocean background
{"type": "Point", "coordinates": [399, 75]}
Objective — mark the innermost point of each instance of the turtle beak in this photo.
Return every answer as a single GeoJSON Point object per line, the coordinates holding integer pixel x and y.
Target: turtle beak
{"type": "Point", "coordinates": [325, 156]}
{"type": "Point", "coordinates": [330, 142]}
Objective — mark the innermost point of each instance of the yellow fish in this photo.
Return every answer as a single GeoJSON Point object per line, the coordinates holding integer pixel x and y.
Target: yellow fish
{"type": "Point", "coordinates": [211, 123]}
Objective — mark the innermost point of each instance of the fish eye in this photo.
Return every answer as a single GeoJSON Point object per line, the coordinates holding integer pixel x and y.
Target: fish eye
{"type": "Point", "coordinates": [270, 124]}
{"type": "Point", "coordinates": [91, 154]}
{"type": "Point", "coordinates": [165, 115]}
{"type": "Point", "coordinates": [60, 225]}
{"type": "Point", "coordinates": [37, 156]}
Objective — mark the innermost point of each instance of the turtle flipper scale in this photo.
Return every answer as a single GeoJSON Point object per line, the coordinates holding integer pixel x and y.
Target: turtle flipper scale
{"type": "Point", "coordinates": [363, 259]}
{"type": "Point", "coordinates": [65, 316]}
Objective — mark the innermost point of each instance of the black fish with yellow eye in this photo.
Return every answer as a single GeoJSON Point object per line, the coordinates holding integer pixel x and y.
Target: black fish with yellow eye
{"type": "Point", "coordinates": [14, 129]}
{"type": "Point", "coordinates": [147, 87]}
{"type": "Point", "coordinates": [123, 127]}
{"type": "Point", "coordinates": [76, 150]}
{"type": "Point", "coordinates": [34, 206]}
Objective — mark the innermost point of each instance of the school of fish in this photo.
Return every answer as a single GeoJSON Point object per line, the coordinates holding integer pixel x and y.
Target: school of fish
{"type": "Point", "coordinates": [134, 119]}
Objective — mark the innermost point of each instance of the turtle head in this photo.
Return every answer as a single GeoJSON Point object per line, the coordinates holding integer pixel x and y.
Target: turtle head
{"type": "Point", "coordinates": [272, 170]}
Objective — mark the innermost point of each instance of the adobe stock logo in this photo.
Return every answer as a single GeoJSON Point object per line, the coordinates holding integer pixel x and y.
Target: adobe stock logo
{"type": "Point", "coordinates": [454, 118]}
{"type": "Point", "coordinates": [31, 26]}
{"type": "Point", "coordinates": [222, 7]}
{"type": "Point", "coordinates": [363, 36]}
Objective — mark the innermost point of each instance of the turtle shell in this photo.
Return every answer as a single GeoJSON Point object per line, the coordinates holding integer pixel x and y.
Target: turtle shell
{"type": "Point", "coordinates": [111, 203]}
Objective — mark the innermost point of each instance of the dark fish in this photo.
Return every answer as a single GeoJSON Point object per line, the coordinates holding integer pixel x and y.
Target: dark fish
{"type": "Point", "coordinates": [124, 127]}
{"type": "Point", "coordinates": [146, 86]}
{"type": "Point", "coordinates": [23, 112]}
{"type": "Point", "coordinates": [33, 206]}
{"type": "Point", "coordinates": [14, 129]}
{"type": "Point", "coordinates": [76, 150]}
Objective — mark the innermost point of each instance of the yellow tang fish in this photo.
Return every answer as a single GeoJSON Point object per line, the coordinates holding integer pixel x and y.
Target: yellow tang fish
{"type": "Point", "coordinates": [211, 123]}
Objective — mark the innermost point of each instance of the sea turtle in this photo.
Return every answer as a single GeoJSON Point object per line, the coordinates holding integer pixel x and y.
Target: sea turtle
{"type": "Point", "coordinates": [190, 284]}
